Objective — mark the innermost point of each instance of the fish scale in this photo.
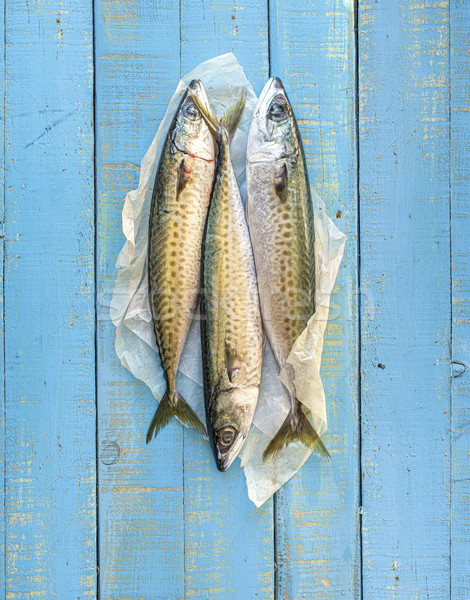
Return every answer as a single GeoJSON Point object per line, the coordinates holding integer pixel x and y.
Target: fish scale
{"type": "Point", "coordinates": [230, 292]}
{"type": "Point", "coordinates": [232, 329]}
{"type": "Point", "coordinates": [180, 202]}
{"type": "Point", "coordinates": [286, 261]}
{"type": "Point", "coordinates": [280, 217]}
{"type": "Point", "coordinates": [174, 266]}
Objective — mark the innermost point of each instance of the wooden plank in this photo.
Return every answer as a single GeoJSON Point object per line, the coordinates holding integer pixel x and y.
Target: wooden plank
{"type": "Point", "coordinates": [2, 333]}
{"type": "Point", "coordinates": [317, 534]}
{"type": "Point", "coordinates": [460, 211]}
{"type": "Point", "coordinates": [228, 541]}
{"type": "Point", "coordinates": [405, 289]}
{"type": "Point", "coordinates": [221, 27]}
{"type": "Point", "coordinates": [140, 487]}
{"type": "Point", "coordinates": [49, 302]}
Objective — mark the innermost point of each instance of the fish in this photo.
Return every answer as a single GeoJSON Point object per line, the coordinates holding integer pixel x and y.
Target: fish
{"type": "Point", "coordinates": [179, 207]}
{"type": "Point", "coordinates": [232, 334]}
{"type": "Point", "coordinates": [280, 219]}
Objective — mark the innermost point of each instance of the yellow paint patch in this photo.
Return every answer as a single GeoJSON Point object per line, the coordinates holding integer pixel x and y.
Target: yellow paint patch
{"type": "Point", "coordinates": [137, 489]}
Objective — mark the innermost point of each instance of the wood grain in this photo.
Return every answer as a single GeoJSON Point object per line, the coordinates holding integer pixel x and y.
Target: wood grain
{"type": "Point", "coordinates": [2, 315]}
{"type": "Point", "coordinates": [317, 520]}
{"type": "Point", "coordinates": [405, 291]}
{"type": "Point", "coordinates": [169, 526]}
{"type": "Point", "coordinates": [141, 525]}
{"type": "Point", "coordinates": [460, 211]}
{"type": "Point", "coordinates": [49, 302]}
{"type": "Point", "coordinates": [228, 541]}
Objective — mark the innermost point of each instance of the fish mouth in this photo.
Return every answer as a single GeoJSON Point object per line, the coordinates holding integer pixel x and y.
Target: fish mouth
{"type": "Point", "coordinates": [266, 157]}
{"type": "Point", "coordinates": [195, 85]}
{"type": "Point", "coordinates": [199, 91]}
{"type": "Point", "coordinates": [198, 156]}
{"type": "Point", "coordinates": [272, 88]}
{"type": "Point", "coordinates": [188, 107]}
{"type": "Point", "coordinates": [230, 422]}
{"type": "Point", "coordinates": [262, 146]}
{"type": "Point", "coordinates": [225, 457]}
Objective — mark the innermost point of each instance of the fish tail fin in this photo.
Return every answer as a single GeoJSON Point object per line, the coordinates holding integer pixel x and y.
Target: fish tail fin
{"type": "Point", "coordinates": [211, 120]}
{"type": "Point", "coordinates": [295, 428]}
{"type": "Point", "coordinates": [229, 121]}
{"type": "Point", "coordinates": [173, 405]}
{"type": "Point", "coordinates": [234, 113]}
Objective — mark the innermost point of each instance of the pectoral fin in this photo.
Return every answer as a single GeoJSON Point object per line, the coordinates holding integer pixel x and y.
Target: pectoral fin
{"type": "Point", "coordinates": [184, 173]}
{"type": "Point", "coordinates": [232, 362]}
{"type": "Point", "coordinates": [280, 183]}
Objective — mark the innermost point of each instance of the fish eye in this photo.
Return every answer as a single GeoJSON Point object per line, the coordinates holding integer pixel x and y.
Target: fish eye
{"type": "Point", "coordinates": [190, 111]}
{"type": "Point", "coordinates": [226, 436]}
{"type": "Point", "coordinates": [277, 111]}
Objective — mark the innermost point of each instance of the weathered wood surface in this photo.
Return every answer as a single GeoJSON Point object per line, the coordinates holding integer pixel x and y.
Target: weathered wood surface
{"type": "Point", "coordinates": [2, 330]}
{"type": "Point", "coordinates": [388, 150]}
{"type": "Point", "coordinates": [141, 496]}
{"type": "Point", "coordinates": [405, 298]}
{"type": "Point", "coordinates": [460, 277]}
{"type": "Point", "coordinates": [228, 541]}
{"type": "Point", "coordinates": [317, 550]}
{"type": "Point", "coordinates": [50, 501]}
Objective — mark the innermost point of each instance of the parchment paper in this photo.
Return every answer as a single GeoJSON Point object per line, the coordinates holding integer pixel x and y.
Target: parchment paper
{"type": "Point", "coordinates": [223, 79]}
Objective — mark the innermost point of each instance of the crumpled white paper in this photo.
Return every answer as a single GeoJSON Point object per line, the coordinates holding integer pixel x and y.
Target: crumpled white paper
{"type": "Point", "coordinates": [223, 79]}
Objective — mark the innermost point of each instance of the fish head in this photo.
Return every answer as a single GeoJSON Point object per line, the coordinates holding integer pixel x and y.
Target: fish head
{"type": "Point", "coordinates": [231, 421]}
{"type": "Point", "coordinates": [273, 132]}
{"type": "Point", "coordinates": [190, 133]}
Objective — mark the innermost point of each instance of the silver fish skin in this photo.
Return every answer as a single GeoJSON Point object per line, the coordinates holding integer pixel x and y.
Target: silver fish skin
{"type": "Point", "coordinates": [232, 329]}
{"type": "Point", "coordinates": [280, 218]}
{"type": "Point", "coordinates": [180, 203]}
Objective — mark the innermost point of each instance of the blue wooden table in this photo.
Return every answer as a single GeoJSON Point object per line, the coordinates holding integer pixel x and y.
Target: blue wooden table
{"type": "Point", "coordinates": [381, 90]}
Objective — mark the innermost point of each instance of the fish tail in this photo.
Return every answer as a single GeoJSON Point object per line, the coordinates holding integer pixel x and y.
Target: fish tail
{"type": "Point", "coordinates": [173, 405]}
{"type": "Point", "coordinates": [295, 428]}
{"type": "Point", "coordinates": [229, 121]}
{"type": "Point", "coordinates": [232, 117]}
